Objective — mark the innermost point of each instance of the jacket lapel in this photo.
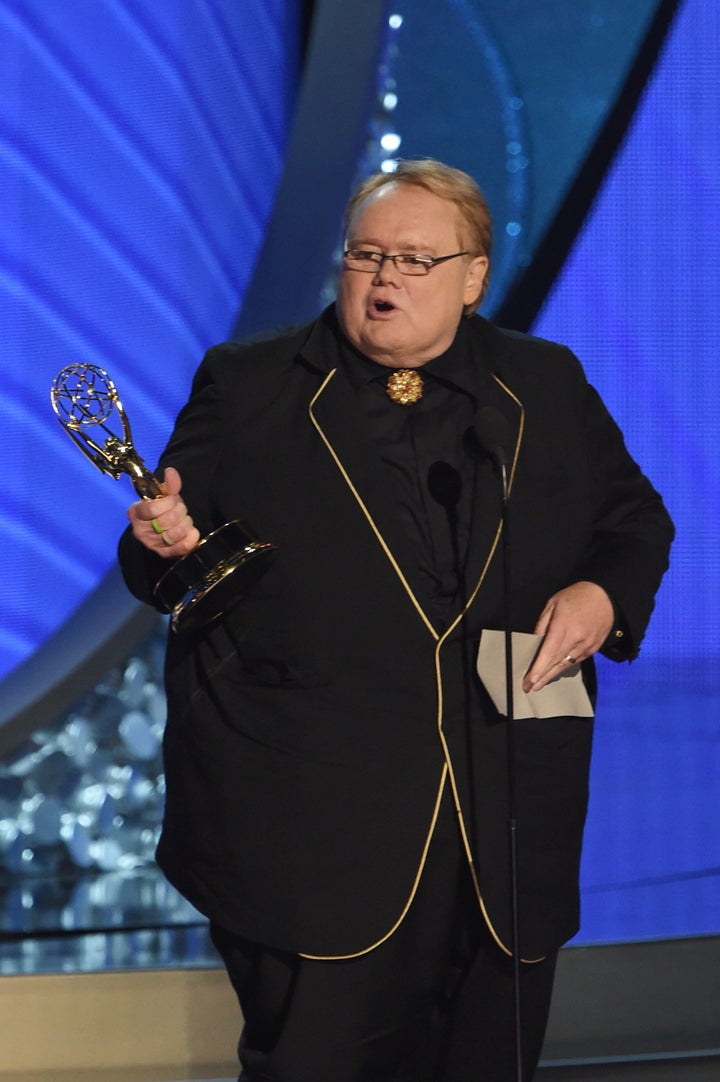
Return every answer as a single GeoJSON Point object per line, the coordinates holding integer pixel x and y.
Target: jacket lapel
{"type": "Point", "coordinates": [490, 390]}
{"type": "Point", "coordinates": [486, 521]}
{"type": "Point", "coordinates": [333, 412]}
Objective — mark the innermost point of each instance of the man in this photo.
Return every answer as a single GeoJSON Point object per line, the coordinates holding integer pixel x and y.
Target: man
{"type": "Point", "coordinates": [337, 789]}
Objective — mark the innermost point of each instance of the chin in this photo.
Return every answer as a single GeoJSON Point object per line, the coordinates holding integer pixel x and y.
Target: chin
{"type": "Point", "coordinates": [386, 355]}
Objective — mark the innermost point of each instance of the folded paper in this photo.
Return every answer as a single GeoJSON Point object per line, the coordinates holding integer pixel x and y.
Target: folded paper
{"type": "Point", "coordinates": [565, 696]}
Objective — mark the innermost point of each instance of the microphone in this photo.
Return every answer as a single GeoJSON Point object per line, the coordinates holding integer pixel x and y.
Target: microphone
{"type": "Point", "coordinates": [491, 434]}
{"type": "Point", "coordinates": [445, 485]}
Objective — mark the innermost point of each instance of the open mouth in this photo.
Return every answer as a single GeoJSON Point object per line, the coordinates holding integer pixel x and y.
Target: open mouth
{"type": "Point", "coordinates": [382, 306]}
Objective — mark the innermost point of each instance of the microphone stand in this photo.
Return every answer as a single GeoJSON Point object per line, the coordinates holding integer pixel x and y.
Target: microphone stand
{"type": "Point", "coordinates": [511, 768]}
{"type": "Point", "coordinates": [492, 435]}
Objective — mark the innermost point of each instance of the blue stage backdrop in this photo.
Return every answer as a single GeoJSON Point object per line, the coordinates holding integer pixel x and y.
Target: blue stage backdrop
{"type": "Point", "coordinates": [140, 150]}
{"type": "Point", "coordinates": [639, 301]}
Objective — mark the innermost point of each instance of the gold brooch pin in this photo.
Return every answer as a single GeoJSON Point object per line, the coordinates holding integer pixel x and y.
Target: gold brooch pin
{"type": "Point", "coordinates": [405, 386]}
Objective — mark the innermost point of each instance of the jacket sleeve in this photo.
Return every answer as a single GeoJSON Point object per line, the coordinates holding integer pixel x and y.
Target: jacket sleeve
{"type": "Point", "coordinates": [632, 531]}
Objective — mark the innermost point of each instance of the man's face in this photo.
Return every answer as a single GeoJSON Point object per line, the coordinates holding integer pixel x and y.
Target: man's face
{"type": "Point", "coordinates": [399, 320]}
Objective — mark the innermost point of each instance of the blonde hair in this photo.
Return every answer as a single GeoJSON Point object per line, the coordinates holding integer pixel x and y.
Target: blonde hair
{"type": "Point", "coordinates": [447, 183]}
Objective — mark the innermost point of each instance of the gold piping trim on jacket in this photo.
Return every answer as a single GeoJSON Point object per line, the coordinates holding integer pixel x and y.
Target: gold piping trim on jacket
{"type": "Point", "coordinates": [368, 516]}
{"type": "Point", "coordinates": [413, 891]}
{"type": "Point", "coordinates": [438, 677]}
{"type": "Point", "coordinates": [440, 640]}
{"type": "Point", "coordinates": [448, 758]}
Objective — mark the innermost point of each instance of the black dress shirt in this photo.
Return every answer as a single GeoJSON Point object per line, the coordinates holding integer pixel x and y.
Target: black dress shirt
{"type": "Point", "coordinates": [429, 462]}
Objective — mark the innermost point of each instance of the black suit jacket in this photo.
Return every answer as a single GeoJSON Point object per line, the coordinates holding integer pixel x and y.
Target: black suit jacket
{"type": "Point", "coordinates": [313, 731]}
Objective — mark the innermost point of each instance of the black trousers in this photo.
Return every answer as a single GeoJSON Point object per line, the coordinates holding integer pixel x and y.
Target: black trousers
{"type": "Point", "coordinates": [434, 1003]}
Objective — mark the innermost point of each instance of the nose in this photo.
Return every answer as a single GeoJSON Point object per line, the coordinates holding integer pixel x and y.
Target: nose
{"type": "Point", "coordinates": [387, 270]}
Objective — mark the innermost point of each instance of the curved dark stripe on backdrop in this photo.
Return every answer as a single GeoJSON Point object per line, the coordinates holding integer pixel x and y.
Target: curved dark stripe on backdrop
{"type": "Point", "coordinates": [328, 135]}
{"type": "Point", "coordinates": [524, 299]}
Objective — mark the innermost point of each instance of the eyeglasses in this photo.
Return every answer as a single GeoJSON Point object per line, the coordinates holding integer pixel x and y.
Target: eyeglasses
{"type": "Point", "coordinates": [371, 262]}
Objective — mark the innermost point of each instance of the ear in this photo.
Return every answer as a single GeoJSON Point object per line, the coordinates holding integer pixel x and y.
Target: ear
{"type": "Point", "coordinates": [474, 278]}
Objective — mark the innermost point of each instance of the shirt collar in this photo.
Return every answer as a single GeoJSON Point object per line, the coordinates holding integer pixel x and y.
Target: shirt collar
{"type": "Point", "coordinates": [454, 368]}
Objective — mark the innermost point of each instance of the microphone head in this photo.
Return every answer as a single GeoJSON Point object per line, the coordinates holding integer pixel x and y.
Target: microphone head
{"type": "Point", "coordinates": [444, 484]}
{"type": "Point", "coordinates": [491, 433]}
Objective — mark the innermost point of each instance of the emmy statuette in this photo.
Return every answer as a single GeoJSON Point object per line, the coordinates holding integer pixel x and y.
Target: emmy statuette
{"type": "Point", "coordinates": [206, 582]}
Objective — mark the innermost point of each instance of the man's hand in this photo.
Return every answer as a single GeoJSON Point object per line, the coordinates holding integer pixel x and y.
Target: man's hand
{"type": "Point", "coordinates": [163, 525]}
{"type": "Point", "coordinates": [575, 623]}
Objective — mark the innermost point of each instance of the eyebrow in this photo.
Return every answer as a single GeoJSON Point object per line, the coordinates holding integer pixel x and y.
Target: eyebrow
{"type": "Point", "coordinates": [406, 246]}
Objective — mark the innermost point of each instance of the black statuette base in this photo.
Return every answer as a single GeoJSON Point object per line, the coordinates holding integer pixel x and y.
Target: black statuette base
{"type": "Point", "coordinates": [217, 573]}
